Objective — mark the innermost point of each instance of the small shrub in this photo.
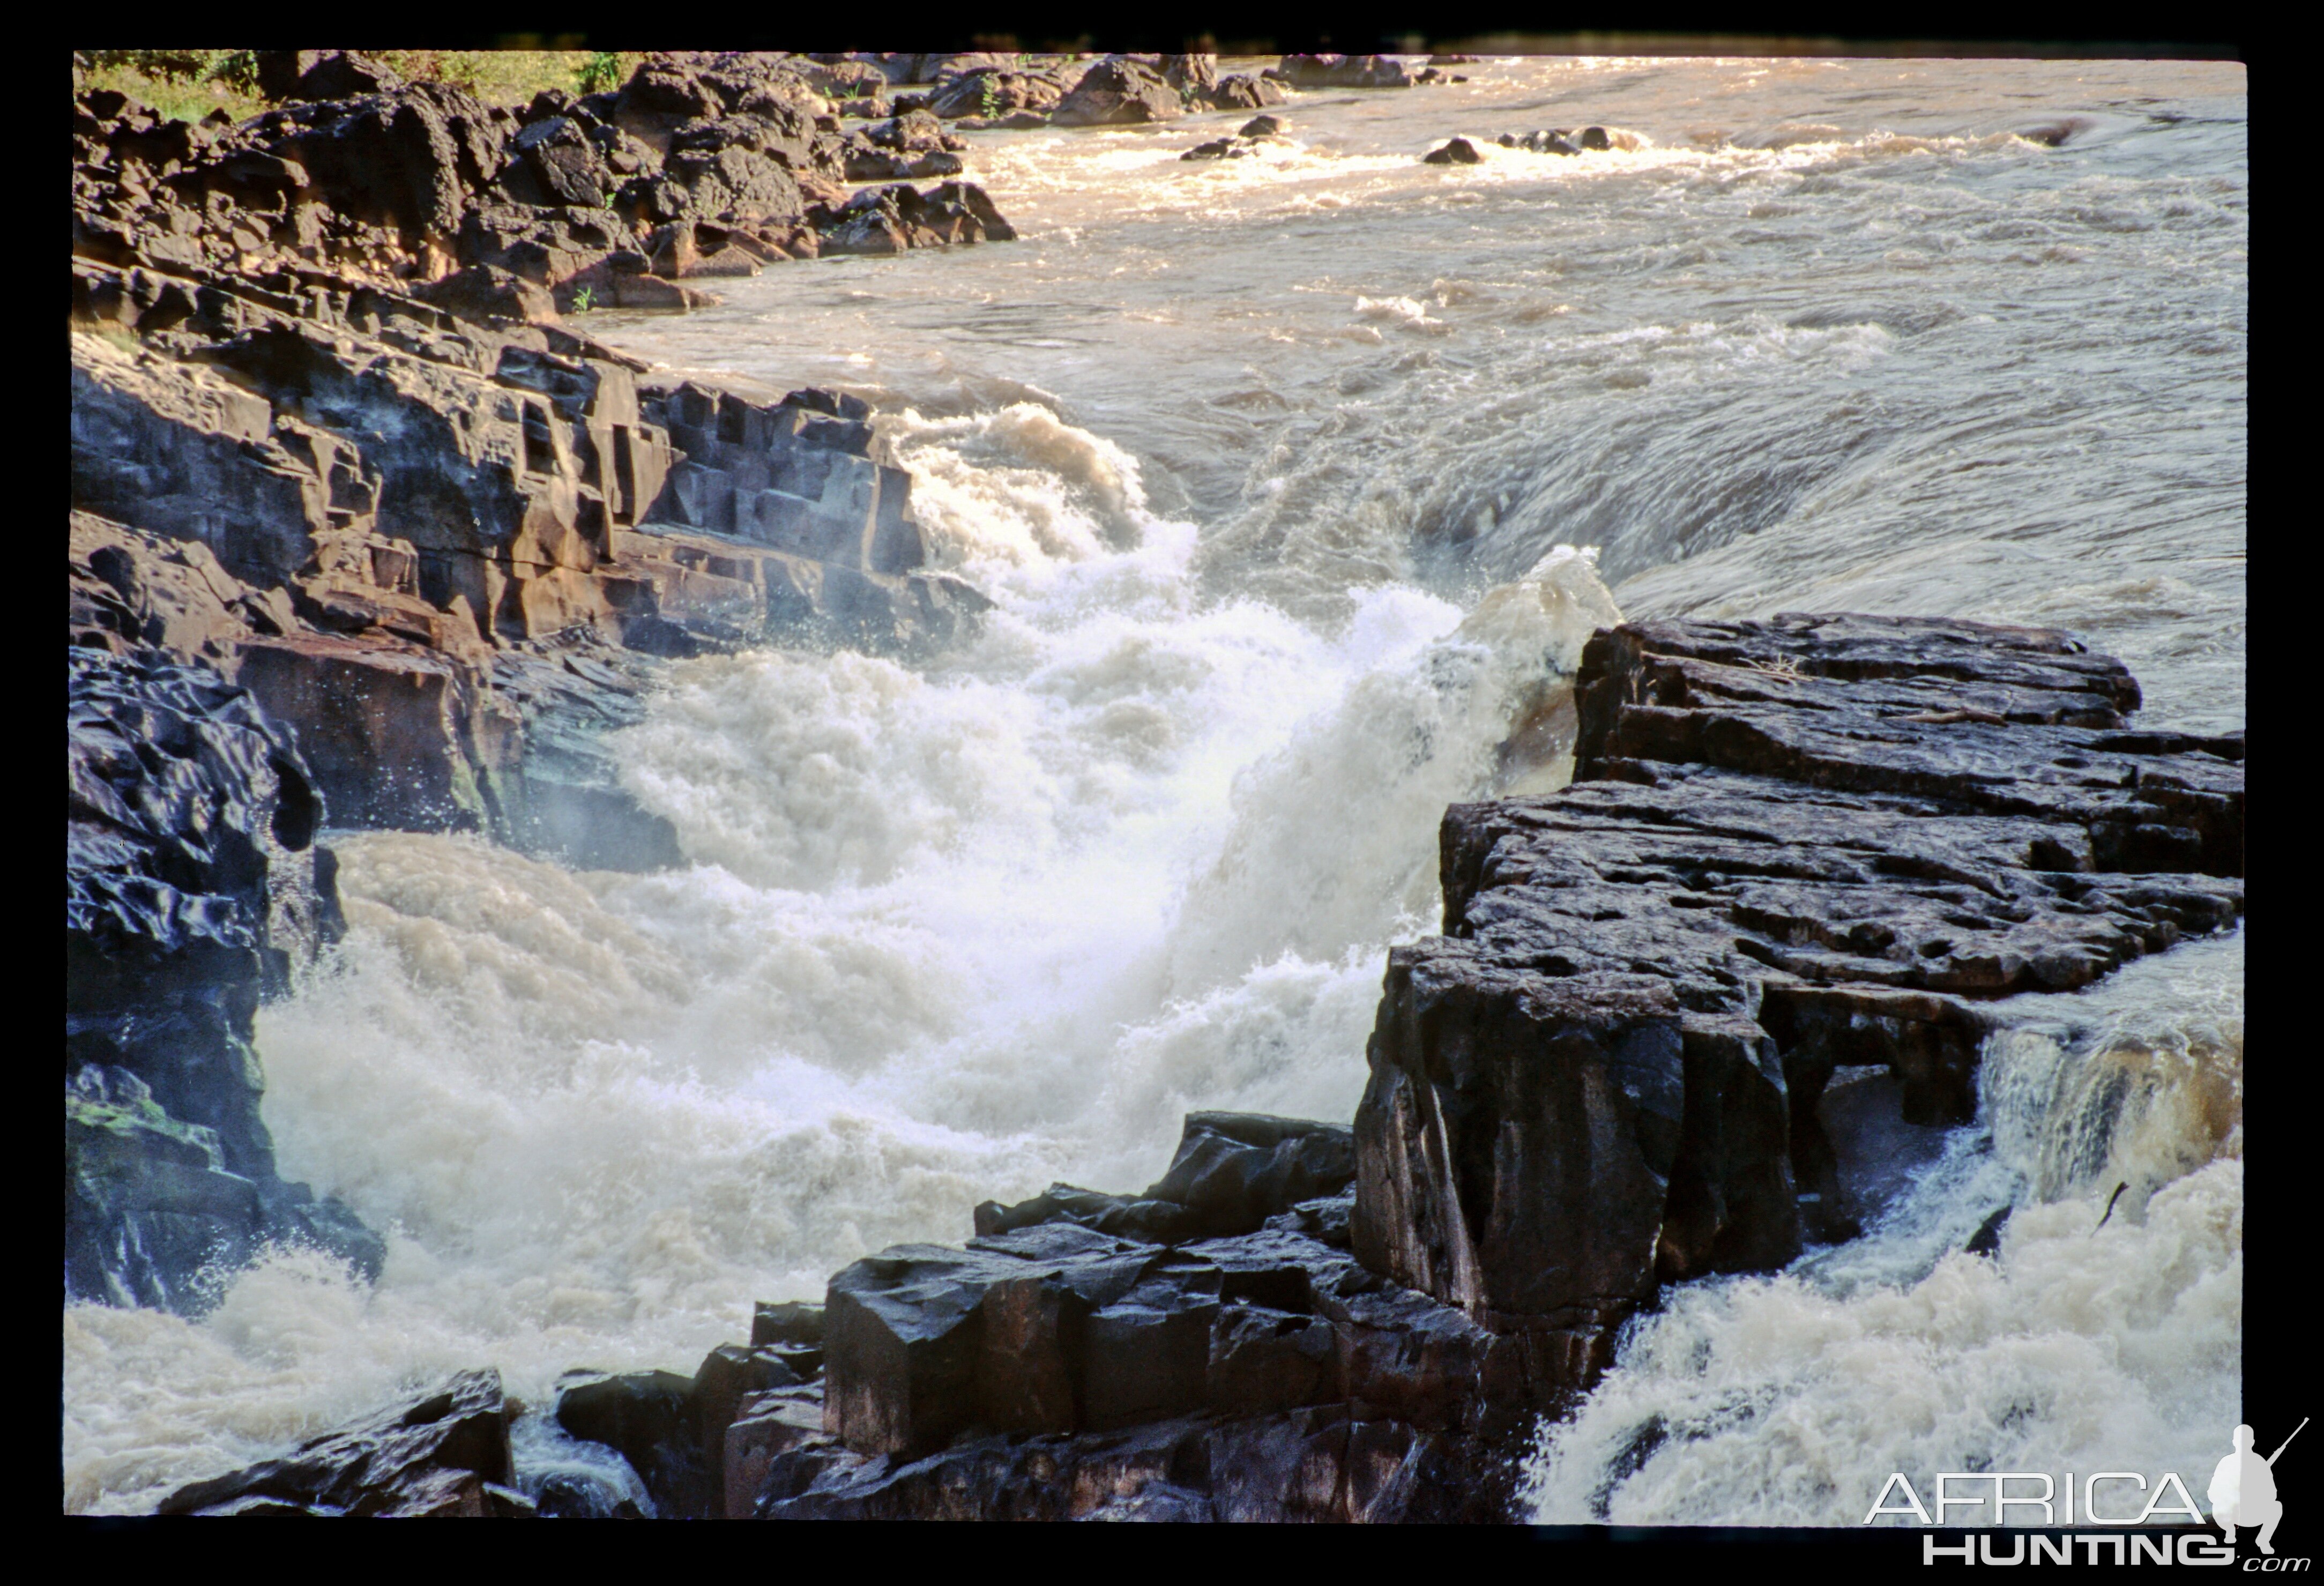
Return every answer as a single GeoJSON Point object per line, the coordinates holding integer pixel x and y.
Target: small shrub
{"type": "Point", "coordinates": [600, 74]}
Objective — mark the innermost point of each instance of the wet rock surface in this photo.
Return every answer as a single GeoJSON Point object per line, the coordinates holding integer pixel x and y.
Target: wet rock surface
{"type": "Point", "coordinates": [193, 887]}
{"type": "Point", "coordinates": [442, 1455]}
{"type": "Point", "coordinates": [1232, 1171]}
{"type": "Point", "coordinates": [1453, 151]}
{"type": "Point", "coordinates": [1791, 847]}
{"type": "Point", "coordinates": [1713, 1000]}
{"type": "Point", "coordinates": [362, 533]}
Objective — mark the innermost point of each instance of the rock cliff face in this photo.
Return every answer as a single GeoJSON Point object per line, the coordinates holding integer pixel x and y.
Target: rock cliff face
{"type": "Point", "coordinates": [359, 532]}
{"type": "Point", "coordinates": [193, 884]}
{"type": "Point", "coordinates": [392, 505]}
{"type": "Point", "coordinates": [1790, 846]}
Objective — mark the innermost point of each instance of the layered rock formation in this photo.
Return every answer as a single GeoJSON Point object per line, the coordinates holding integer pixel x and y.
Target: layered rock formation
{"type": "Point", "coordinates": [360, 531]}
{"type": "Point", "coordinates": [1790, 847]}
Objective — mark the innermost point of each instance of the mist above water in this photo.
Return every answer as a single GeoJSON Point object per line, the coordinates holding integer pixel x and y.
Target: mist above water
{"type": "Point", "coordinates": [1267, 465]}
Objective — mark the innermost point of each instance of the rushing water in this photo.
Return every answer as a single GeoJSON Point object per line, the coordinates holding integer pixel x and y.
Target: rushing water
{"type": "Point", "coordinates": [1267, 464]}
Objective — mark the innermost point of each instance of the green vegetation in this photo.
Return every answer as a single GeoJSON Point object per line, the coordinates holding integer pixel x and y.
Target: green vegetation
{"type": "Point", "coordinates": [585, 299]}
{"type": "Point", "coordinates": [189, 84]}
{"type": "Point", "coordinates": [602, 73]}
{"type": "Point", "coordinates": [185, 84]}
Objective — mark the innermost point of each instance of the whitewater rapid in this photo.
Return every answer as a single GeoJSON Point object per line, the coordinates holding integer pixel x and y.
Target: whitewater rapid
{"type": "Point", "coordinates": [1267, 465]}
{"type": "Point", "coordinates": [947, 934]}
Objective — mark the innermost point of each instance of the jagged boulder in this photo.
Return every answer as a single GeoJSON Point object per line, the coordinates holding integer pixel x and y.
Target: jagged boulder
{"type": "Point", "coordinates": [445, 1453]}
{"type": "Point", "coordinates": [1542, 140]}
{"type": "Point", "coordinates": [1215, 1367]}
{"type": "Point", "coordinates": [1119, 91]}
{"type": "Point", "coordinates": [1231, 1173]}
{"type": "Point", "coordinates": [993, 91]}
{"type": "Point", "coordinates": [890, 219]}
{"type": "Point", "coordinates": [321, 74]}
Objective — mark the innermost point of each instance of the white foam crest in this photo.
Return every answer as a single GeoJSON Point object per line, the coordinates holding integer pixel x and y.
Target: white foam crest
{"type": "Point", "coordinates": [1404, 742]}
{"type": "Point", "coordinates": [1771, 1402]}
{"type": "Point", "coordinates": [1017, 485]}
{"type": "Point", "coordinates": [2100, 1335]}
{"type": "Point", "coordinates": [936, 942]}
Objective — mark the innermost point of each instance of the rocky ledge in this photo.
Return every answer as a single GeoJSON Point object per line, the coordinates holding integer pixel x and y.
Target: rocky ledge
{"type": "Point", "coordinates": [362, 534]}
{"type": "Point", "coordinates": [1791, 848]}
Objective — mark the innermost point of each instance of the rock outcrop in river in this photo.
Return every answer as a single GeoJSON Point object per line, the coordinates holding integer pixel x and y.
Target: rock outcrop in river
{"type": "Point", "coordinates": [1791, 847]}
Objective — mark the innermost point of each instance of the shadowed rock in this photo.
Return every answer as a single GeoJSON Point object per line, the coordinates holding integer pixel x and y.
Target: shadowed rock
{"type": "Point", "coordinates": [193, 886]}
{"type": "Point", "coordinates": [1791, 847]}
{"type": "Point", "coordinates": [443, 1454]}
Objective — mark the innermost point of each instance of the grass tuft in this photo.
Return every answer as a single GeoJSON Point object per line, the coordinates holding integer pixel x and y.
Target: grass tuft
{"type": "Point", "coordinates": [189, 84]}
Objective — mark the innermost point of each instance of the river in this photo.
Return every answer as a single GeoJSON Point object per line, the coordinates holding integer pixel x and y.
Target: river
{"type": "Point", "coordinates": [1291, 477]}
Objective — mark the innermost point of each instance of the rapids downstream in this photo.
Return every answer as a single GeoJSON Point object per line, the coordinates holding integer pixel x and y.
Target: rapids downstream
{"type": "Point", "coordinates": [1275, 468]}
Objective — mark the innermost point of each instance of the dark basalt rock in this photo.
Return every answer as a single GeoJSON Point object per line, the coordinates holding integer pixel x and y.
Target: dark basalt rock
{"type": "Point", "coordinates": [991, 92]}
{"type": "Point", "coordinates": [1245, 91]}
{"type": "Point", "coordinates": [1345, 71]}
{"type": "Point", "coordinates": [1453, 151]}
{"type": "Point", "coordinates": [1790, 846]}
{"type": "Point", "coordinates": [653, 1420]}
{"type": "Point", "coordinates": [1119, 91]}
{"type": "Point", "coordinates": [444, 1454]}
{"type": "Point", "coordinates": [192, 888]}
{"type": "Point", "coordinates": [1055, 1372]}
{"type": "Point", "coordinates": [1231, 1173]}
{"type": "Point", "coordinates": [1545, 141]}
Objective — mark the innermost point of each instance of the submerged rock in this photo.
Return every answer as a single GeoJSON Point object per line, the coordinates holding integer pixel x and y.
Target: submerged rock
{"type": "Point", "coordinates": [1453, 151]}
{"type": "Point", "coordinates": [1545, 141]}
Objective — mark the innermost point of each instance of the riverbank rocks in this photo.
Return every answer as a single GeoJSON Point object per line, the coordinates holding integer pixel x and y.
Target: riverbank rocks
{"type": "Point", "coordinates": [193, 887]}
{"type": "Point", "coordinates": [402, 185]}
{"type": "Point", "coordinates": [387, 495]}
{"type": "Point", "coordinates": [1345, 71]}
{"type": "Point", "coordinates": [444, 1454]}
{"type": "Point", "coordinates": [991, 91]}
{"type": "Point", "coordinates": [890, 219]}
{"type": "Point", "coordinates": [1790, 846]}
{"type": "Point", "coordinates": [1119, 91]}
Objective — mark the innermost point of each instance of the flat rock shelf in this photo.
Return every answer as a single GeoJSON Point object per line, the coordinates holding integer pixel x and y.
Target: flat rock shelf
{"type": "Point", "coordinates": [1791, 847]}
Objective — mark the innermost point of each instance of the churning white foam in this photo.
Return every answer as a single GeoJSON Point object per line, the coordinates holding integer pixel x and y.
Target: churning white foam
{"type": "Point", "coordinates": [1789, 1400]}
{"type": "Point", "coordinates": [943, 934]}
